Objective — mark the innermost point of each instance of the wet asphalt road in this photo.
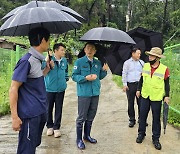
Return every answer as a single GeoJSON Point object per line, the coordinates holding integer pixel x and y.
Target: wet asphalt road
{"type": "Point", "coordinates": [110, 128]}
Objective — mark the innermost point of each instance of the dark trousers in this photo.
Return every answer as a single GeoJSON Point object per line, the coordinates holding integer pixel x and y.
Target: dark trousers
{"type": "Point", "coordinates": [156, 113]}
{"type": "Point", "coordinates": [87, 108]}
{"type": "Point", "coordinates": [30, 134]}
{"type": "Point", "coordinates": [56, 98]}
{"type": "Point", "coordinates": [131, 95]}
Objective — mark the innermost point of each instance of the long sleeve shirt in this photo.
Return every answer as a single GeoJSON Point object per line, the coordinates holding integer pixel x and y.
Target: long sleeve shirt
{"type": "Point", "coordinates": [81, 69]}
{"type": "Point", "coordinates": [56, 78]}
{"type": "Point", "coordinates": [132, 70]}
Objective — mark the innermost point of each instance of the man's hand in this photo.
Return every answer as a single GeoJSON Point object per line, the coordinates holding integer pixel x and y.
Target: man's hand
{"type": "Point", "coordinates": [105, 67]}
{"type": "Point", "coordinates": [49, 62]}
{"type": "Point", "coordinates": [16, 124]}
{"type": "Point", "coordinates": [49, 66]}
{"type": "Point", "coordinates": [88, 77]}
{"type": "Point", "coordinates": [138, 93]}
{"type": "Point", "coordinates": [94, 76]}
{"type": "Point", "coordinates": [49, 53]}
{"type": "Point", "coordinates": [125, 88]}
{"type": "Point", "coordinates": [167, 100]}
{"type": "Point", "coordinates": [91, 77]}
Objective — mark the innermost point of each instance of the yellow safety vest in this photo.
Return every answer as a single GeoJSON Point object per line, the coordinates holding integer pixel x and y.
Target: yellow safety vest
{"type": "Point", "coordinates": [153, 86]}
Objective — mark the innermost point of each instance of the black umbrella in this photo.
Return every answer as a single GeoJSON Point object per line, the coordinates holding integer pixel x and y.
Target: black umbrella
{"type": "Point", "coordinates": [106, 35]}
{"type": "Point", "coordinates": [165, 115]}
{"type": "Point", "coordinates": [55, 21]}
{"type": "Point", "coordinates": [145, 39]}
{"type": "Point", "coordinates": [117, 54]}
{"type": "Point", "coordinates": [49, 4]}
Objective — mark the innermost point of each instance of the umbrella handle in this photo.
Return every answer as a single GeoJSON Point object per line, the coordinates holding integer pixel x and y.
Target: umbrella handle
{"type": "Point", "coordinates": [50, 57]}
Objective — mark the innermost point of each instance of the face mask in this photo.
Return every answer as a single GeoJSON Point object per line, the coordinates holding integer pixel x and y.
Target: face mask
{"type": "Point", "coordinates": [153, 61]}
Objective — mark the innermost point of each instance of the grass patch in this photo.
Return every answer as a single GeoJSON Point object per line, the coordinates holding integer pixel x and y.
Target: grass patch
{"type": "Point", "coordinates": [118, 80]}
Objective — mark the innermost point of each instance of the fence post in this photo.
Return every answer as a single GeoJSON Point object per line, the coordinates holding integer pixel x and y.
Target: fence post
{"type": "Point", "coordinates": [17, 53]}
{"type": "Point", "coordinates": [12, 56]}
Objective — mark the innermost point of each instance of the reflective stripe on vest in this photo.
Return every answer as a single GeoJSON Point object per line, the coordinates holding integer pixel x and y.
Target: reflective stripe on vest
{"type": "Point", "coordinates": [153, 86]}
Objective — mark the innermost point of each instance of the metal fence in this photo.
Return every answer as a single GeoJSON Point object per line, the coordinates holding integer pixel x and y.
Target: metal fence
{"type": "Point", "coordinates": [8, 59]}
{"type": "Point", "coordinates": [172, 60]}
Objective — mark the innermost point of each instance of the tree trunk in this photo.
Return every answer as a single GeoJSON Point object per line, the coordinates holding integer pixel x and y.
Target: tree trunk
{"type": "Point", "coordinates": [90, 11]}
{"type": "Point", "coordinates": [128, 15]}
{"type": "Point", "coordinates": [164, 25]}
{"type": "Point", "coordinates": [109, 11]}
{"type": "Point", "coordinates": [145, 7]}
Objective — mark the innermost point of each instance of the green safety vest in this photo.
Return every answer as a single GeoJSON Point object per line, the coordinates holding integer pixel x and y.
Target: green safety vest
{"type": "Point", "coordinates": [153, 86]}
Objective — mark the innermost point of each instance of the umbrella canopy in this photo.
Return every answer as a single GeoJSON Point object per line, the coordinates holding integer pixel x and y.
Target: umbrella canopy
{"type": "Point", "coordinates": [145, 39]}
{"type": "Point", "coordinates": [49, 4]}
{"type": "Point", "coordinates": [106, 35]}
{"type": "Point", "coordinates": [165, 115]}
{"type": "Point", "coordinates": [117, 55]}
{"type": "Point", "coordinates": [52, 19]}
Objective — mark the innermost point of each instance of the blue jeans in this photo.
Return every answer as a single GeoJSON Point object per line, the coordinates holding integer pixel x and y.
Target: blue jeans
{"type": "Point", "coordinates": [30, 134]}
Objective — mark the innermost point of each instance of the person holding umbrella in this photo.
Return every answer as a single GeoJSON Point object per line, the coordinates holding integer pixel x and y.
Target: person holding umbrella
{"type": "Point", "coordinates": [27, 93]}
{"type": "Point", "coordinates": [87, 72]}
{"type": "Point", "coordinates": [55, 82]}
{"type": "Point", "coordinates": [131, 74]}
{"type": "Point", "coordinates": [153, 87]}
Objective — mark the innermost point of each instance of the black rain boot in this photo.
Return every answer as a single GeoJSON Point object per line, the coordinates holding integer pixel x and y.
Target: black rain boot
{"type": "Point", "coordinates": [79, 141]}
{"type": "Point", "coordinates": [87, 131]}
{"type": "Point", "coordinates": [157, 144]}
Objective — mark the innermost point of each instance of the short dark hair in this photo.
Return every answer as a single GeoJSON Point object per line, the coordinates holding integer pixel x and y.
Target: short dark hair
{"type": "Point", "coordinates": [133, 50]}
{"type": "Point", "coordinates": [90, 43]}
{"type": "Point", "coordinates": [57, 45]}
{"type": "Point", "coordinates": [37, 34]}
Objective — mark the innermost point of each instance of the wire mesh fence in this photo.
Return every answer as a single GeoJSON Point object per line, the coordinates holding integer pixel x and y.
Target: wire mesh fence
{"type": "Point", "coordinates": [8, 59]}
{"type": "Point", "coordinates": [172, 60]}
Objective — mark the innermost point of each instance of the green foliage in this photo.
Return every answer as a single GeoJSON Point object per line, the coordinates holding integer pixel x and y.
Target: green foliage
{"type": "Point", "coordinates": [111, 24]}
{"type": "Point", "coordinates": [8, 61]}
{"type": "Point", "coordinates": [118, 80]}
{"type": "Point", "coordinates": [173, 63]}
{"type": "Point", "coordinates": [9, 5]}
{"type": "Point", "coordinates": [72, 43]}
{"type": "Point", "coordinates": [174, 118]}
{"type": "Point", "coordinates": [4, 105]}
{"type": "Point", "coordinates": [5, 7]}
{"type": "Point", "coordinates": [70, 67]}
{"type": "Point", "coordinates": [5, 76]}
